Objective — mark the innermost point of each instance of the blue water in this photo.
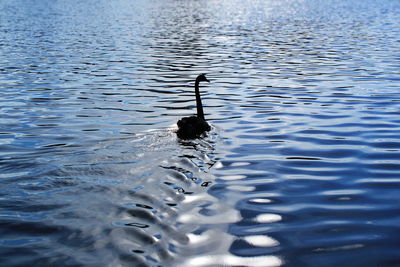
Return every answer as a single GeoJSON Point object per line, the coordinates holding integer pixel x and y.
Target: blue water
{"type": "Point", "coordinates": [301, 168]}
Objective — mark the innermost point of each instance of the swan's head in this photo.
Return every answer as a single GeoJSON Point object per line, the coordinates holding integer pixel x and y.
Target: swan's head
{"type": "Point", "coordinates": [202, 78]}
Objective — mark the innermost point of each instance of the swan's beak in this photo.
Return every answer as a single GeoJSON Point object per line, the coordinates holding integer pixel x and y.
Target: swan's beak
{"type": "Point", "coordinates": [207, 80]}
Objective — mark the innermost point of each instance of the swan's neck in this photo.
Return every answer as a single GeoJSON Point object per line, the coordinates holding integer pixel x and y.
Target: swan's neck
{"type": "Point", "coordinates": [199, 106]}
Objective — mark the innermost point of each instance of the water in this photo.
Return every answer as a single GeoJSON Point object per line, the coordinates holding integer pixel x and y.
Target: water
{"type": "Point", "coordinates": [302, 167]}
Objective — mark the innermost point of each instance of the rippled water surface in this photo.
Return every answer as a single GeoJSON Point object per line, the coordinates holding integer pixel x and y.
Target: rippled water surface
{"type": "Point", "coordinates": [301, 168]}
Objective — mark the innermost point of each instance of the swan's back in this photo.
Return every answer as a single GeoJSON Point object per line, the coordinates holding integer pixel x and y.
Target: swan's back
{"type": "Point", "coordinates": [192, 127]}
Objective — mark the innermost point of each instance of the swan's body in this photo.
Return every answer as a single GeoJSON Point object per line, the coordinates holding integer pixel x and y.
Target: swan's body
{"type": "Point", "coordinates": [195, 126]}
{"type": "Point", "coordinates": [192, 127]}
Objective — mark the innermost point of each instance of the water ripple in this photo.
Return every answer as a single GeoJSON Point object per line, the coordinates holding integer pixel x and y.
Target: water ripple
{"type": "Point", "coordinates": [301, 167]}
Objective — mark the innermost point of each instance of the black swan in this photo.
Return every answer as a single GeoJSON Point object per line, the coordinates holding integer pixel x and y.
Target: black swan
{"type": "Point", "coordinates": [194, 126]}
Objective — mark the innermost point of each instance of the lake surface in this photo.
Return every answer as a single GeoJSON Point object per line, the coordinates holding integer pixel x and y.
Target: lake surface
{"type": "Point", "coordinates": [301, 168]}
